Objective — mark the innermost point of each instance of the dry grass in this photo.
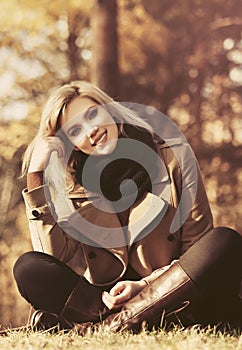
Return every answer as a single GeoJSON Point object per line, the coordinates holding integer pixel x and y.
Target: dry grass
{"type": "Point", "coordinates": [177, 339]}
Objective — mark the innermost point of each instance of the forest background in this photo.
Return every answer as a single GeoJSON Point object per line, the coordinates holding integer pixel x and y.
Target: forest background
{"type": "Point", "coordinates": [184, 57]}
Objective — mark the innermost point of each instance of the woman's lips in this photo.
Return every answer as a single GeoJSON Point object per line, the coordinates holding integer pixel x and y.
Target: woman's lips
{"type": "Point", "coordinates": [101, 139]}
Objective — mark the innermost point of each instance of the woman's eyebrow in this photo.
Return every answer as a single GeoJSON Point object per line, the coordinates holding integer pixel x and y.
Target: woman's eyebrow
{"type": "Point", "coordinates": [85, 113]}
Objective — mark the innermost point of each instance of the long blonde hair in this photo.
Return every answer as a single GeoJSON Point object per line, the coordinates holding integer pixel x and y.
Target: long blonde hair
{"type": "Point", "coordinates": [60, 98]}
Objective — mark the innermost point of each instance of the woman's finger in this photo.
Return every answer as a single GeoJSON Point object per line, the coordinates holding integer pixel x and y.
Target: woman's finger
{"type": "Point", "coordinates": [43, 148]}
{"type": "Point", "coordinates": [114, 301]}
{"type": "Point", "coordinates": [110, 302]}
{"type": "Point", "coordinates": [55, 144]}
{"type": "Point", "coordinates": [118, 288]}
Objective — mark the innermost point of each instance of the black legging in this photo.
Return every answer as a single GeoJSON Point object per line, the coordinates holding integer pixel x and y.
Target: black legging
{"type": "Point", "coordinates": [44, 281]}
{"type": "Point", "coordinates": [214, 263]}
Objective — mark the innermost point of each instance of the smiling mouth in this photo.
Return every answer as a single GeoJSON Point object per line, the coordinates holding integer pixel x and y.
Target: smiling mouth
{"type": "Point", "coordinates": [100, 140]}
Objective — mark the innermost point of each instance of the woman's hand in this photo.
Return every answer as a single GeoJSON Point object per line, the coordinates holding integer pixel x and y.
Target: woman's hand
{"type": "Point", "coordinates": [121, 293]}
{"type": "Point", "coordinates": [43, 148]}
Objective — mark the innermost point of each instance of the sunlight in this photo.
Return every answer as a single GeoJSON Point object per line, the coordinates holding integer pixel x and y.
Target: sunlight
{"type": "Point", "coordinates": [14, 110]}
{"type": "Point", "coordinates": [236, 75]}
{"type": "Point", "coordinates": [7, 81]}
{"type": "Point", "coordinates": [228, 44]}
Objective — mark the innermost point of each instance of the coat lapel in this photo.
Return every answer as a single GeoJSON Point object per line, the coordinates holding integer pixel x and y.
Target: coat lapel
{"type": "Point", "coordinates": [145, 216]}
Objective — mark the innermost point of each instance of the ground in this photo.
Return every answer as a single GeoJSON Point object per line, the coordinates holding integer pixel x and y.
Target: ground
{"type": "Point", "coordinates": [177, 339]}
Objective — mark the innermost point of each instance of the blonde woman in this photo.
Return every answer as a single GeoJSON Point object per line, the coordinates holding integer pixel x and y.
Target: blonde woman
{"type": "Point", "coordinates": [126, 253]}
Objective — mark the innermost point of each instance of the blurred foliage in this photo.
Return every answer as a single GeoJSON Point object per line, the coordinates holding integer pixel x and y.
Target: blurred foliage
{"type": "Point", "coordinates": [184, 57]}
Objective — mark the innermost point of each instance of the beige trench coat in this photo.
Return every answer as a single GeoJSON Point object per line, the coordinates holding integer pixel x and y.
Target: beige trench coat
{"type": "Point", "coordinates": [171, 220]}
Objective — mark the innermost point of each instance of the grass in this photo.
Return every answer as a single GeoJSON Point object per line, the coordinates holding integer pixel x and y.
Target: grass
{"type": "Point", "coordinates": [178, 339]}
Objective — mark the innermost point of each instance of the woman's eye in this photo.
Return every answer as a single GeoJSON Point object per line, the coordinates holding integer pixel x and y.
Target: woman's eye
{"type": "Point", "coordinates": [92, 114]}
{"type": "Point", "coordinates": [75, 131]}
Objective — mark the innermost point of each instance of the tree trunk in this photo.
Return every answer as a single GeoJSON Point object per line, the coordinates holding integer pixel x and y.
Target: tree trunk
{"type": "Point", "coordinates": [73, 51]}
{"type": "Point", "coordinates": [105, 67]}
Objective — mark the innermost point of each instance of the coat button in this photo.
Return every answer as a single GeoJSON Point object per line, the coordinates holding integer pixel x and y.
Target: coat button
{"type": "Point", "coordinates": [36, 213]}
{"type": "Point", "coordinates": [171, 238]}
{"type": "Point", "coordinates": [91, 255]}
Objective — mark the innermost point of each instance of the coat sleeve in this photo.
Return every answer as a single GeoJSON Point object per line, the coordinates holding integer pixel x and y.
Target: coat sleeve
{"type": "Point", "coordinates": [46, 234]}
{"type": "Point", "coordinates": [193, 216]}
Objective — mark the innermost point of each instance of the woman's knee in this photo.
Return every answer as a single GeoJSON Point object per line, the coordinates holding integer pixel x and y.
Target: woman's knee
{"type": "Point", "coordinates": [217, 256]}
{"type": "Point", "coordinates": [44, 281]}
{"type": "Point", "coordinates": [26, 263]}
{"type": "Point", "coordinates": [227, 232]}
{"type": "Point", "coordinates": [221, 243]}
{"type": "Point", "coordinates": [22, 264]}
{"type": "Point", "coordinates": [227, 241]}
{"type": "Point", "coordinates": [222, 238]}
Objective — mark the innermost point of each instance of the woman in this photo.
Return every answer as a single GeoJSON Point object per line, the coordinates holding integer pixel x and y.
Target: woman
{"type": "Point", "coordinates": [153, 252]}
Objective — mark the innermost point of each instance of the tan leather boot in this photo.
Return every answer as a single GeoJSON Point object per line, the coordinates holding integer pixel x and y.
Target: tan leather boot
{"type": "Point", "coordinates": [169, 293]}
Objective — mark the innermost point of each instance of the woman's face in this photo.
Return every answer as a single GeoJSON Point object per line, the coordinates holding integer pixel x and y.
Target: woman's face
{"type": "Point", "coordinates": [89, 127]}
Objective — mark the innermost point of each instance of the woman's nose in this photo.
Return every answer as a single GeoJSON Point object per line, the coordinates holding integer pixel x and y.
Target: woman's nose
{"type": "Point", "coordinates": [92, 132]}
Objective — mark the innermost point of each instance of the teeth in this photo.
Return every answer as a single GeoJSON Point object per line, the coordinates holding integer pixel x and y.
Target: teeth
{"type": "Point", "coordinates": [102, 138]}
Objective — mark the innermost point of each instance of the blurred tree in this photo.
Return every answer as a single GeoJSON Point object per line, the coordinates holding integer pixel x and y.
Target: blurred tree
{"type": "Point", "coordinates": [105, 63]}
{"type": "Point", "coordinates": [42, 45]}
{"type": "Point", "coordinates": [184, 57]}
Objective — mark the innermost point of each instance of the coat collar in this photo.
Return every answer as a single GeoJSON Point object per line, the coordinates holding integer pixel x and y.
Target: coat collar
{"type": "Point", "coordinates": [97, 224]}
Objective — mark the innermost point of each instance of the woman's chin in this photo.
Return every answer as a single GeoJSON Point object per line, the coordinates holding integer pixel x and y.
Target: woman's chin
{"type": "Point", "coordinates": [105, 149]}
